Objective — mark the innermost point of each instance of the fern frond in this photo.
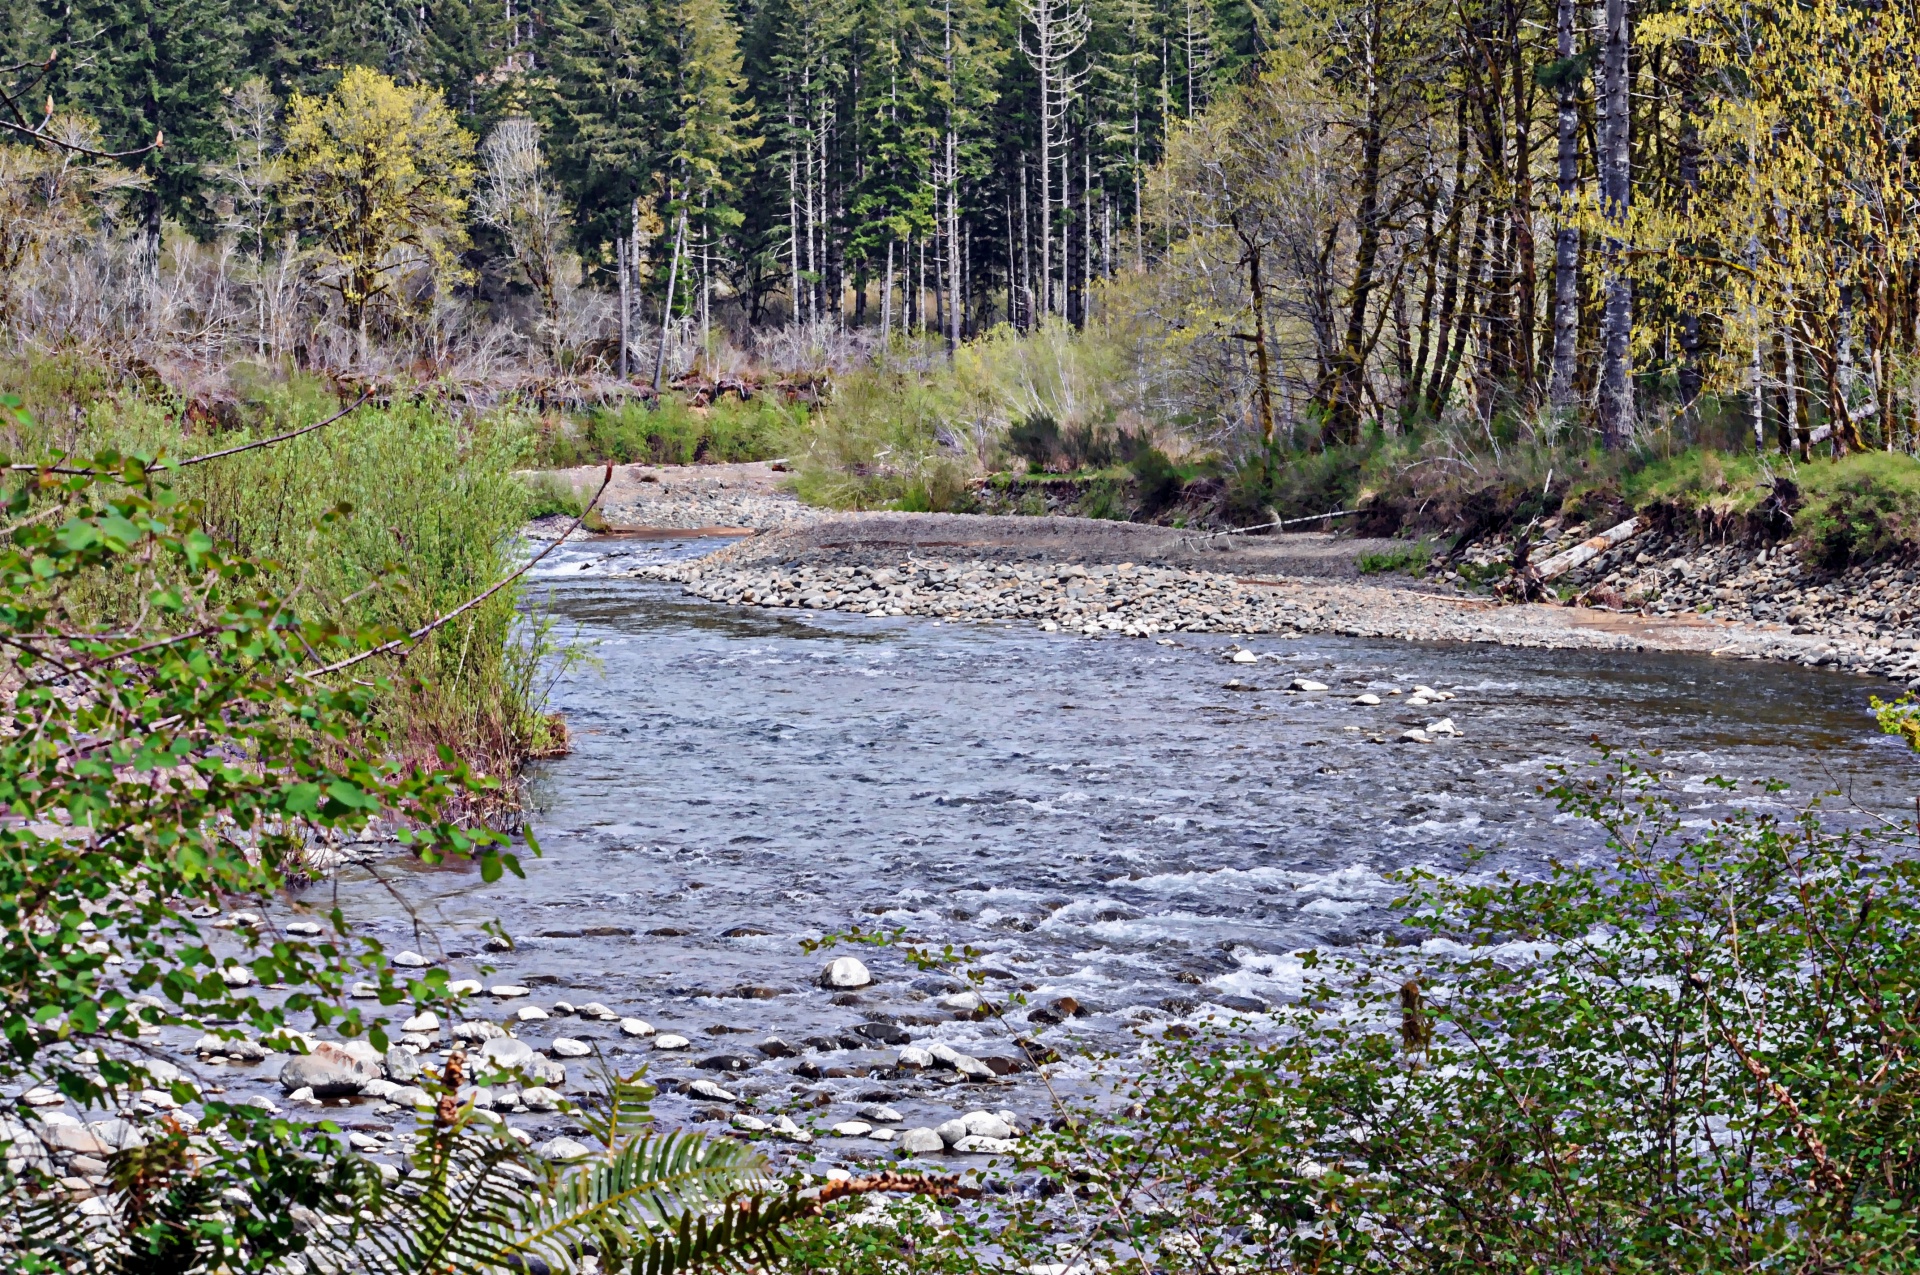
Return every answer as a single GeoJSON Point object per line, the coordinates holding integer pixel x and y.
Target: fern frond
{"type": "Point", "coordinates": [739, 1236]}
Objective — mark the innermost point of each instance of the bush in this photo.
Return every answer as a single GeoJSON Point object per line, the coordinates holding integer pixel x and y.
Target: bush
{"type": "Point", "coordinates": [1411, 559]}
{"type": "Point", "coordinates": [677, 434]}
{"type": "Point", "coordinates": [1156, 480]}
{"type": "Point", "coordinates": [1699, 1052]}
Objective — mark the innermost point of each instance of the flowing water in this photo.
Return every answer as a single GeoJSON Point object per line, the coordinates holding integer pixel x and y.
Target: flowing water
{"type": "Point", "coordinates": [1097, 818]}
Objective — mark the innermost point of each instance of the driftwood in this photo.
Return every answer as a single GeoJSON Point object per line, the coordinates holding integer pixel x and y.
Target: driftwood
{"type": "Point", "coordinates": [1587, 550]}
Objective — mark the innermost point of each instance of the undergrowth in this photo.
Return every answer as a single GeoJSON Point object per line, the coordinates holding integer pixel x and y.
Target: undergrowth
{"type": "Point", "coordinates": [728, 430]}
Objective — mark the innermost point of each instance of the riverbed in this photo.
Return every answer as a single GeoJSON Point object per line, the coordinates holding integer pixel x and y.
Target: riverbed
{"type": "Point", "coordinates": [1098, 818]}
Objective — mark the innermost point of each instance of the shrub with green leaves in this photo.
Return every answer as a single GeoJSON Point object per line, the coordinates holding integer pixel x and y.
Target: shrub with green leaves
{"type": "Point", "coordinates": [1698, 1052]}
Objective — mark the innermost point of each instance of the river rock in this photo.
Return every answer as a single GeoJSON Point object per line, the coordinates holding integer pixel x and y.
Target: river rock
{"type": "Point", "coordinates": [505, 1053]}
{"type": "Point", "coordinates": [1444, 726]}
{"type": "Point", "coordinates": [884, 1033]}
{"type": "Point", "coordinates": [879, 1113]}
{"type": "Point", "coordinates": [787, 1129]}
{"type": "Point", "coordinates": [562, 1150]}
{"type": "Point", "coordinates": [426, 1021]}
{"type": "Point", "coordinates": [670, 1040]}
{"type": "Point", "coordinates": [1244, 657]}
{"type": "Point", "coordinates": [962, 1002]}
{"type": "Point", "coordinates": [380, 1089]}
{"type": "Point", "coordinates": [477, 1031]}
{"type": "Point", "coordinates": [568, 1047]}
{"type": "Point", "coordinates": [704, 1088]}
{"type": "Point", "coordinates": [531, 1014]}
{"type": "Point", "coordinates": [119, 1135]}
{"type": "Point", "coordinates": [464, 987]}
{"type": "Point", "coordinates": [724, 1062]}
{"type": "Point", "coordinates": [303, 929]}
{"type": "Point", "coordinates": [974, 1144]}
{"type": "Point", "coordinates": [951, 1131]}
{"type": "Point", "coordinates": [913, 1058]}
{"type": "Point", "coordinates": [635, 1027]}
{"type": "Point", "coordinates": [844, 972]}
{"type": "Point", "coordinates": [72, 1139]}
{"type": "Point", "coordinates": [774, 1047]}
{"type": "Point", "coordinates": [921, 1142]}
{"type": "Point", "coordinates": [411, 960]}
{"type": "Point", "coordinates": [1415, 736]}
{"type": "Point", "coordinates": [948, 1058]}
{"type": "Point", "coordinates": [1370, 700]}
{"type": "Point", "coordinates": [508, 991]}
{"type": "Point", "coordinates": [1056, 1010]}
{"type": "Point", "coordinates": [540, 1098]}
{"type": "Point", "coordinates": [881, 1135]}
{"type": "Point", "coordinates": [1307, 684]}
{"type": "Point", "coordinates": [852, 1129]}
{"type": "Point", "coordinates": [237, 976]}
{"type": "Point", "coordinates": [987, 1124]}
{"type": "Point", "coordinates": [594, 1009]}
{"type": "Point", "coordinates": [329, 1071]}
{"type": "Point", "coordinates": [402, 1064]}
{"type": "Point", "coordinates": [750, 1124]}
{"type": "Point", "coordinates": [411, 1096]}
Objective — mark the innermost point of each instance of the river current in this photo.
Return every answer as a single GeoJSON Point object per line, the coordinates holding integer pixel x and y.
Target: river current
{"type": "Point", "coordinates": [1099, 818]}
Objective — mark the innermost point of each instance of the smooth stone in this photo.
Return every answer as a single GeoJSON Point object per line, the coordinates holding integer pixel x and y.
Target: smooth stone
{"type": "Point", "coordinates": [951, 1131]}
{"type": "Point", "coordinates": [845, 971]}
{"type": "Point", "coordinates": [412, 960]}
{"type": "Point", "coordinates": [963, 1002]}
{"type": "Point", "coordinates": [411, 1096]}
{"type": "Point", "coordinates": [381, 1089]}
{"type": "Point", "coordinates": [1308, 684]}
{"type": "Point", "coordinates": [562, 1150]}
{"type": "Point", "coordinates": [464, 987]}
{"type": "Point", "coordinates": [635, 1027]}
{"type": "Point", "coordinates": [505, 1052]}
{"type": "Point", "coordinates": [1415, 736]}
{"type": "Point", "coordinates": [774, 1047]}
{"type": "Point", "coordinates": [671, 1041]}
{"type": "Point", "coordinates": [879, 1113]}
{"type": "Point", "coordinates": [540, 1098]}
{"type": "Point", "coordinates": [508, 991]}
{"type": "Point", "coordinates": [531, 1014]}
{"type": "Point", "coordinates": [787, 1129]}
{"type": "Point", "coordinates": [707, 1089]}
{"type": "Point", "coordinates": [237, 976]}
{"type": "Point", "coordinates": [477, 1030]}
{"type": "Point", "coordinates": [921, 1142]}
{"type": "Point", "coordinates": [1369, 699]}
{"type": "Point", "coordinates": [594, 1009]}
{"type": "Point", "coordinates": [364, 991]}
{"type": "Point", "coordinates": [427, 1022]}
{"type": "Point", "coordinates": [985, 1124]}
{"type": "Point", "coordinates": [1245, 657]}
{"type": "Point", "coordinates": [1444, 726]}
{"type": "Point", "coordinates": [974, 1144]}
{"type": "Point", "coordinates": [568, 1047]}
{"type": "Point", "coordinates": [330, 1071]}
{"type": "Point", "coordinates": [882, 1135]}
{"type": "Point", "coordinates": [914, 1058]}
{"type": "Point", "coordinates": [750, 1124]}
{"type": "Point", "coordinates": [303, 929]}
{"type": "Point", "coordinates": [852, 1129]}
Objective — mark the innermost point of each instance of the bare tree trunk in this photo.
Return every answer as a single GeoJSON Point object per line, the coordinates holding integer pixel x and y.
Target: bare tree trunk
{"type": "Point", "coordinates": [626, 305]}
{"type": "Point", "coordinates": [1616, 194]}
{"type": "Point", "coordinates": [1350, 363]}
{"type": "Point", "coordinates": [666, 310]}
{"type": "Point", "coordinates": [1566, 242]}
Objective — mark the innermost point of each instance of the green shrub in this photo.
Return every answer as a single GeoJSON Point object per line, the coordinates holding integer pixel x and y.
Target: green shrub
{"type": "Point", "coordinates": [1157, 482]}
{"type": "Point", "coordinates": [676, 434]}
{"type": "Point", "coordinates": [1411, 559]}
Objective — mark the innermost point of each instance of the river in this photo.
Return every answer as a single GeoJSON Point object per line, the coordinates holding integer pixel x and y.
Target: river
{"type": "Point", "coordinates": [1098, 818]}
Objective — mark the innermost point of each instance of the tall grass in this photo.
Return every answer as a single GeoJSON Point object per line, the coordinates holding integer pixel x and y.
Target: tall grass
{"type": "Point", "coordinates": [387, 519]}
{"type": "Point", "coordinates": [674, 433]}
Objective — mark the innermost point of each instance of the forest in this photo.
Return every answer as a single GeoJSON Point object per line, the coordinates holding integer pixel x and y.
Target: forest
{"type": "Point", "coordinates": [1294, 222]}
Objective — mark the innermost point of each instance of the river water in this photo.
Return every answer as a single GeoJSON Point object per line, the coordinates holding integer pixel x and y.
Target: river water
{"type": "Point", "coordinates": [1094, 817]}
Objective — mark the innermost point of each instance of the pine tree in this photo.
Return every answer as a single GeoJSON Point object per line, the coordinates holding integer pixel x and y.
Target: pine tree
{"type": "Point", "coordinates": [146, 70]}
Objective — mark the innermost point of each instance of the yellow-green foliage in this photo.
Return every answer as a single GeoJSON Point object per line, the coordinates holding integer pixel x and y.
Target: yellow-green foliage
{"type": "Point", "coordinates": [377, 174]}
{"type": "Point", "coordinates": [676, 434]}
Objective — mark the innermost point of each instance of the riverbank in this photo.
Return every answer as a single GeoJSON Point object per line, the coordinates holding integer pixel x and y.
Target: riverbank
{"type": "Point", "coordinates": [1097, 578]}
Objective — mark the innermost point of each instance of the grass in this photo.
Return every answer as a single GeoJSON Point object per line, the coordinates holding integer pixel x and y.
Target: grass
{"type": "Point", "coordinates": [675, 434]}
{"type": "Point", "coordinates": [385, 520]}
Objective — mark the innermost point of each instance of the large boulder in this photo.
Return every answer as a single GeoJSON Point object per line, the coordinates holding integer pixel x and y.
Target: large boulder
{"type": "Point", "coordinates": [845, 972]}
{"type": "Point", "coordinates": [329, 1071]}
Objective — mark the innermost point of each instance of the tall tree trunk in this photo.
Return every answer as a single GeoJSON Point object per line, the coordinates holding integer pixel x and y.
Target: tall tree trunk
{"type": "Point", "coordinates": [666, 310]}
{"type": "Point", "coordinates": [1566, 241]}
{"type": "Point", "coordinates": [1616, 385]}
{"type": "Point", "coordinates": [1350, 363]}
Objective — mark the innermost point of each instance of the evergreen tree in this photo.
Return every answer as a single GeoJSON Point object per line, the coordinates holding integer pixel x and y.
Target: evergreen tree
{"type": "Point", "coordinates": [150, 69]}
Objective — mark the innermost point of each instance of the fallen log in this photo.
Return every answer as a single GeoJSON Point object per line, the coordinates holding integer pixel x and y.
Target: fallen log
{"type": "Point", "coordinates": [1587, 550]}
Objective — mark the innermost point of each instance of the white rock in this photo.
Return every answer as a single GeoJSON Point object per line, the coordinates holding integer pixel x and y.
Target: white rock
{"type": "Point", "coordinates": [563, 1150]}
{"type": "Point", "coordinates": [562, 1007]}
{"type": "Point", "coordinates": [411, 960]}
{"type": "Point", "coordinates": [302, 1095]}
{"type": "Point", "coordinates": [1444, 726]}
{"type": "Point", "coordinates": [506, 1052]}
{"type": "Point", "coordinates": [977, 1145]}
{"type": "Point", "coordinates": [1308, 684]}
{"type": "Point", "coordinates": [707, 1089]}
{"type": "Point", "coordinates": [963, 1002]}
{"type": "Point", "coordinates": [260, 1102]}
{"type": "Point", "coordinates": [568, 1047]}
{"type": "Point", "coordinates": [1369, 699]}
{"type": "Point", "coordinates": [381, 1089]}
{"type": "Point", "coordinates": [787, 1129]}
{"type": "Point", "coordinates": [914, 1058]}
{"type": "Point", "coordinates": [363, 1142]}
{"type": "Point", "coordinates": [751, 1124]}
{"type": "Point", "coordinates": [508, 991]}
{"type": "Point", "coordinates": [540, 1098]}
{"type": "Point", "coordinates": [985, 1124]}
{"type": "Point", "coordinates": [1415, 736]}
{"type": "Point", "coordinates": [464, 987]}
{"type": "Point", "coordinates": [880, 1114]}
{"type": "Point", "coordinates": [951, 1131]}
{"type": "Point", "coordinates": [237, 976]}
{"type": "Point", "coordinates": [1243, 657]}
{"type": "Point", "coordinates": [531, 1014]}
{"type": "Point", "coordinates": [303, 929]}
{"type": "Point", "coordinates": [882, 1135]}
{"type": "Point", "coordinates": [636, 1027]}
{"type": "Point", "coordinates": [845, 971]}
{"type": "Point", "coordinates": [852, 1129]}
{"type": "Point", "coordinates": [921, 1142]}
{"type": "Point", "coordinates": [424, 1022]}
{"type": "Point", "coordinates": [594, 1009]}
{"type": "Point", "coordinates": [670, 1041]}
{"type": "Point", "coordinates": [364, 991]}
{"type": "Point", "coordinates": [477, 1030]}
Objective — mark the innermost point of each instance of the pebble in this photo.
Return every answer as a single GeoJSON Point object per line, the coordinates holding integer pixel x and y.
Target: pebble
{"type": "Point", "coordinates": [636, 1027]}
{"type": "Point", "coordinates": [845, 972]}
{"type": "Point", "coordinates": [671, 1041]}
